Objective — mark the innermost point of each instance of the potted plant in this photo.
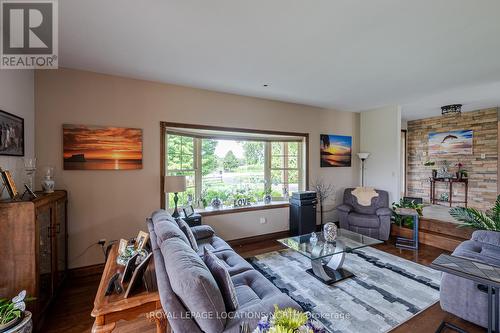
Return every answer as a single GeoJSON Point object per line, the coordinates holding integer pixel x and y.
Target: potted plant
{"type": "Point", "coordinates": [431, 164]}
{"type": "Point", "coordinates": [13, 315]}
{"type": "Point", "coordinates": [406, 221]}
{"type": "Point", "coordinates": [288, 320]}
{"type": "Point", "coordinates": [471, 217]}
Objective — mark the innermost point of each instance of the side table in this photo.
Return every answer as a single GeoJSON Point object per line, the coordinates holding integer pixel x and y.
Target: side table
{"type": "Point", "coordinates": [478, 272]}
{"type": "Point", "coordinates": [407, 243]}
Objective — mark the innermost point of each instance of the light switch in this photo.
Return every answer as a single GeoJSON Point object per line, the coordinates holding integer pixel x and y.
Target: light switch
{"type": "Point", "coordinates": [483, 156]}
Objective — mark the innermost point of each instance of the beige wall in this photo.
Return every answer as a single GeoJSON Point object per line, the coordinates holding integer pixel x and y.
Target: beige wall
{"type": "Point", "coordinates": [114, 204]}
{"type": "Point", "coordinates": [17, 97]}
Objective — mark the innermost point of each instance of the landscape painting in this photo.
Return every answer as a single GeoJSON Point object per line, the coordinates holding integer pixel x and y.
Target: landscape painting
{"type": "Point", "coordinates": [336, 150]}
{"type": "Point", "coordinates": [102, 148]}
{"type": "Point", "coordinates": [451, 143]}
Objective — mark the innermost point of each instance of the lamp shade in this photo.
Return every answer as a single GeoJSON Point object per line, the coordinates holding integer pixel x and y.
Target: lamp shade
{"type": "Point", "coordinates": [363, 156]}
{"type": "Point", "coordinates": [175, 184]}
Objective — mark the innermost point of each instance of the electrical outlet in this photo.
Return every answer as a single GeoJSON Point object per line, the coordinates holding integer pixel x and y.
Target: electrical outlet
{"type": "Point", "coordinates": [483, 156]}
{"type": "Point", "coordinates": [263, 220]}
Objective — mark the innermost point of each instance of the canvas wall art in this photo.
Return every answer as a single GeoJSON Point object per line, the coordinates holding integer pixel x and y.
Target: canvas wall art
{"type": "Point", "coordinates": [336, 150]}
{"type": "Point", "coordinates": [101, 148]}
{"type": "Point", "coordinates": [451, 143]}
{"type": "Point", "coordinates": [11, 134]}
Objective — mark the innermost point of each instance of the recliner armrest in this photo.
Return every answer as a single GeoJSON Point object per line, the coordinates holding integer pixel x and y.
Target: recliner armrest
{"type": "Point", "coordinates": [487, 236]}
{"type": "Point", "coordinates": [384, 211]}
{"type": "Point", "coordinates": [345, 208]}
{"type": "Point", "coordinates": [202, 231]}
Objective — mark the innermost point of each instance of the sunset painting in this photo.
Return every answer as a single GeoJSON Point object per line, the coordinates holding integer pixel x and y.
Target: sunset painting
{"type": "Point", "coordinates": [451, 143]}
{"type": "Point", "coordinates": [102, 148]}
{"type": "Point", "coordinates": [336, 150]}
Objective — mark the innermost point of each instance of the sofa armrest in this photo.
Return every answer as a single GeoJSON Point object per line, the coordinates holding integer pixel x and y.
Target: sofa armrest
{"type": "Point", "coordinates": [384, 211]}
{"type": "Point", "coordinates": [345, 208]}
{"type": "Point", "coordinates": [202, 231]}
{"type": "Point", "coordinates": [486, 236]}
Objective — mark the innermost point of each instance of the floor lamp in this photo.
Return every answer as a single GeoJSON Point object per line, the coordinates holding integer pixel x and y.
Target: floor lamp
{"type": "Point", "coordinates": [363, 157]}
{"type": "Point", "coordinates": [175, 184]}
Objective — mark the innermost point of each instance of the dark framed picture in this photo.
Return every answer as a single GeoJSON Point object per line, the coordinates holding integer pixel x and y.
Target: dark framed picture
{"type": "Point", "coordinates": [188, 211]}
{"type": "Point", "coordinates": [11, 134]}
{"type": "Point", "coordinates": [8, 181]}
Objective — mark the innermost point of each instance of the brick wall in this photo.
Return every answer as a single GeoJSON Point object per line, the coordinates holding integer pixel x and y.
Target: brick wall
{"type": "Point", "coordinates": [482, 172]}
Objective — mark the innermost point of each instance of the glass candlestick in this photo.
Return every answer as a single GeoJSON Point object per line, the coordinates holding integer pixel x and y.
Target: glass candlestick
{"type": "Point", "coordinates": [29, 169]}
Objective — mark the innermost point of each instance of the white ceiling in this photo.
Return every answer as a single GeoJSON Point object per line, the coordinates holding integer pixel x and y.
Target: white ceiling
{"type": "Point", "coordinates": [345, 54]}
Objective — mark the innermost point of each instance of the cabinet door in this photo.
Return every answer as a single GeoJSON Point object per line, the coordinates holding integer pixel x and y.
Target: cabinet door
{"type": "Point", "coordinates": [44, 223]}
{"type": "Point", "coordinates": [60, 241]}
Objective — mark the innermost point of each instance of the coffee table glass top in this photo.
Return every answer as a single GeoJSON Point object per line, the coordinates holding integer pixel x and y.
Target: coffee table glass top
{"type": "Point", "coordinates": [346, 241]}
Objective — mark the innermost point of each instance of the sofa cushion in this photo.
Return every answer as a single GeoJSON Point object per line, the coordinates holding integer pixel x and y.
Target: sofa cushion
{"type": "Point", "coordinates": [252, 286]}
{"type": "Point", "coordinates": [214, 244]}
{"type": "Point", "coordinates": [165, 230]}
{"type": "Point", "coordinates": [223, 279]}
{"type": "Point", "coordinates": [364, 221]}
{"type": "Point", "coordinates": [195, 286]}
{"type": "Point", "coordinates": [189, 234]}
{"type": "Point", "coordinates": [233, 262]}
{"type": "Point", "coordinates": [486, 236]}
{"type": "Point", "coordinates": [202, 231]}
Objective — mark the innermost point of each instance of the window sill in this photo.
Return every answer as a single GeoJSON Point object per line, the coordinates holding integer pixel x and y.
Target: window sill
{"type": "Point", "coordinates": [231, 210]}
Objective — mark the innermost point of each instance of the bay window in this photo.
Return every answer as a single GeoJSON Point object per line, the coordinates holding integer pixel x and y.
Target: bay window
{"type": "Point", "coordinates": [233, 164]}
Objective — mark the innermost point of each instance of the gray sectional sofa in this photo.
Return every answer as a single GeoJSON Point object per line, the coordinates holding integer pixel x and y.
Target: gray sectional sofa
{"type": "Point", "coordinates": [463, 297]}
{"type": "Point", "coordinates": [189, 294]}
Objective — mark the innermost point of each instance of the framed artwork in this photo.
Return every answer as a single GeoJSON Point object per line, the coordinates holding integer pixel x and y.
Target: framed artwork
{"type": "Point", "coordinates": [141, 240]}
{"type": "Point", "coordinates": [8, 182]}
{"type": "Point", "coordinates": [188, 211]}
{"type": "Point", "coordinates": [101, 148]}
{"type": "Point", "coordinates": [336, 150]}
{"type": "Point", "coordinates": [451, 143]}
{"type": "Point", "coordinates": [11, 134]}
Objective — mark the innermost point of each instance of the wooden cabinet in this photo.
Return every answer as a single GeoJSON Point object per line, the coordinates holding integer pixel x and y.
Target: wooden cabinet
{"type": "Point", "coordinates": [33, 249]}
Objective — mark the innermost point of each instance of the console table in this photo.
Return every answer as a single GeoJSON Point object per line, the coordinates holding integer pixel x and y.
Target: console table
{"type": "Point", "coordinates": [110, 309]}
{"type": "Point", "coordinates": [450, 182]}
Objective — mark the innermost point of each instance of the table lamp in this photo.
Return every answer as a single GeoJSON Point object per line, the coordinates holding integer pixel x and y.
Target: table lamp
{"type": "Point", "coordinates": [363, 157]}
{"type": "Point", "coordinates": [175, 184]}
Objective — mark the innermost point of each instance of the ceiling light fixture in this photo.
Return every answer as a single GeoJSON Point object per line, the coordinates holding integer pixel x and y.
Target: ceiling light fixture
{"type": "Point", "coordinates": [452, 109]}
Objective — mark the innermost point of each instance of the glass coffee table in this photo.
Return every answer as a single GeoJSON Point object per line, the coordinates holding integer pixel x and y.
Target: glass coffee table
{"type": "Point", "coordinates": [327, 258]}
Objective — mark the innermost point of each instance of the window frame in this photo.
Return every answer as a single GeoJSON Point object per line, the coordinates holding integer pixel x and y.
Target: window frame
{"type": "Point", "coordinates": [302, 154]}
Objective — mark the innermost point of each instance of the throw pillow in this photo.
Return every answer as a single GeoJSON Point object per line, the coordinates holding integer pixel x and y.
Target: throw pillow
{"type": "Point", "coordinates": [189, 234]}
{"type": "Point", "coordinates": [223, 279]}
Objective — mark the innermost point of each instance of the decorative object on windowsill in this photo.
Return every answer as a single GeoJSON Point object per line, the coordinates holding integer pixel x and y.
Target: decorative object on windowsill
{"type": "Point", "coordinates": [189, 199]}
{"type": "Point", "coordinates": [330, 232]}
{"type": "Point", "coordinates": [473, 218]}
{"type": "Point", "coordinates": [13, 315]}
{"type": "Point", "coordinates": [288, 320]}
{"type": "Point", "coordinates": [242, 202]}
{"type": "Point", "coordinates": [323, 192]}
{"type": "Point", "coordinates": [188, 211]}
{"type": "Point", "coordinates": [48, 183]}
{"type": "Point", "coordinates": [201, 202]}
{"type": "Point", "coordinates": [267, 193]}
{"type": "Point", "coordinates": [286, 195]}
{"type": "Point", "coordinates": [216, 203]}
{"type": "Point", "coordinates": [11, 134]}
{"type": "Point", "coordinates": [451, 109]}
{"type": "Point", "coordinates": [8, 183]}
{"type": "Point", "coordinates": [363, 157]}
{"type": "Point", "coordinates": [175, 184]}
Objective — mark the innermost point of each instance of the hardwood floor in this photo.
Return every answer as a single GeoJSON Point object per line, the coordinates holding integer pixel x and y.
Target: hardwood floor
{"type": "Point", "coordinates": [70, 312]}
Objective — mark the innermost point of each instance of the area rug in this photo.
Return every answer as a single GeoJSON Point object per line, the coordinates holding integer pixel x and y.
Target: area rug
{"type": "Point", "coordinates": [385, 292]}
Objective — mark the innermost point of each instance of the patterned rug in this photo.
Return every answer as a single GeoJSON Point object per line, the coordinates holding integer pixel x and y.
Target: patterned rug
{"type": "Point", "coordinates": [385, 292]}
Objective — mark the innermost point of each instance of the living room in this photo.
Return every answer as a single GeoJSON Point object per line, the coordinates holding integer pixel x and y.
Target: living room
{"type": "Point", "coordinates": [335, 167]}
